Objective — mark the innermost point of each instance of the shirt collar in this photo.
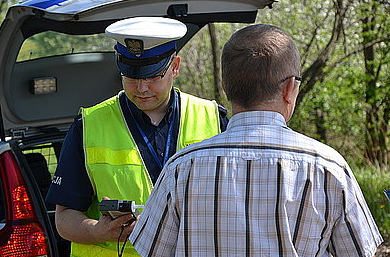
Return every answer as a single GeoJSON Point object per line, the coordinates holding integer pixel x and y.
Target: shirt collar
{"type": "Point", "coordinates": [143, 118]}
{"type": "Point", "coordinates": [257, 118]}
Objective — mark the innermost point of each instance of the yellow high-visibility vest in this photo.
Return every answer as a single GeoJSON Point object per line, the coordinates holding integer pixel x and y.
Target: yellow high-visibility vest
{"type": "Point", "coordinates": [114, 163]}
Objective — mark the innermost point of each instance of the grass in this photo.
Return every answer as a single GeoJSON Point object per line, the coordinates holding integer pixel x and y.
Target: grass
{"type": "Point", "coordinates": [373, 182]}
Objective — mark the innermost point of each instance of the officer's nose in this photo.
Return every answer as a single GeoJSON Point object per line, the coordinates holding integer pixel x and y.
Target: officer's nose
{"type": "Point", "coordinates": [142, 86]}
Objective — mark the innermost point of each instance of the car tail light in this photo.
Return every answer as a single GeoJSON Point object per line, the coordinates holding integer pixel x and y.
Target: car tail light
{"type": "Point", "coordinates": [22, 235]}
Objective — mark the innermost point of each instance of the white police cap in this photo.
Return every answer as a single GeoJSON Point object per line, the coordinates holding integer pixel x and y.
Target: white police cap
{"type": "Point", "coordinates": [152, 31]}
{"type": "Point", "coordinates": [145, 44]}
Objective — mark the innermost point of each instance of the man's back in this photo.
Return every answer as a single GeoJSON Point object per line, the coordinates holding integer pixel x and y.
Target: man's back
{"type": "Point", "coordinates": [259, 189]}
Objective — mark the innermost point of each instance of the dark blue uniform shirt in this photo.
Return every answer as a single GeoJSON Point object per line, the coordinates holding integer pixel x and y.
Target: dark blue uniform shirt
{"type": "Point", "coordinates": [71, 186]}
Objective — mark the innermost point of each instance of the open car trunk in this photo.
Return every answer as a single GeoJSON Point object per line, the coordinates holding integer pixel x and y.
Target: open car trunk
{"type": "Point", "coordinates": [82, 78]}
{"type": "Point", "coordinates": [40, 92]}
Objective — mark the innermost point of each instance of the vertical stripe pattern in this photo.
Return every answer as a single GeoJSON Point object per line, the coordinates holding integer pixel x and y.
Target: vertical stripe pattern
{"type": "Point", "coordinates": [186, 212]}
{"type": "Point", "coordinates": [277, 211]}
{"type": "Point", "coordinates": [258, 189]}
{"type": "Point", "coordinates": [160, 224]}
{"type": "Point", "coordinates": [302, 205]}
{"type": "Point", "coordinates": [247, 205]}
{"type": "Point", "coordinates": [349, 226]}
{"type": "Point", "coordinates": [326, 190]}
{"type": "Point", "coordinates": [216, 213]}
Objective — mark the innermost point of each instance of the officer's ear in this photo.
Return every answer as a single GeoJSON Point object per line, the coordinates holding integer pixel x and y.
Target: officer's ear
{"type": "Point", "coordinates": [176, 65]}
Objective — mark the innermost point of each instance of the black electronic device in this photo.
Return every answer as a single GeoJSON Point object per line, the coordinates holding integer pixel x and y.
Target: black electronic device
{"type": "Point", "coordinates": [116, 208]}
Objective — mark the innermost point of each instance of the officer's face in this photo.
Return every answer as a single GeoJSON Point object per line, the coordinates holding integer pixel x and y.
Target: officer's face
{"type": "Point", "coordinates": [152, 96]}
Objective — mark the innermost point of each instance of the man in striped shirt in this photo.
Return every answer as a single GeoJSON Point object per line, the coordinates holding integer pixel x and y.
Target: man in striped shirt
{"type": "Point", "coordinates": [260, 188]}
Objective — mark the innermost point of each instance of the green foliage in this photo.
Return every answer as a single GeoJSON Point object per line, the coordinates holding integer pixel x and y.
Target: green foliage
{"type": "Point", "coordinates": [53, 43]}
{"type": "Point", "coordinates": [4, 4]}
{"type": "Point", "coordinates": [373, 182]}
{"type": "Point", "coordinates": [334, 110]}
{"type": "Point", "coordinates": [308, 22]}
{"type": "Point", "coordinates": [196, 67]}
{"type": "Point", "coordinates": [340, 99]}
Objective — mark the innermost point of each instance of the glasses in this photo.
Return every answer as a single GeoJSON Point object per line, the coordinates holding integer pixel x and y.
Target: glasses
{"type": "Point", "coordinates": [289, 77]}
{"type": "Point", "coordinates": [153, 79]}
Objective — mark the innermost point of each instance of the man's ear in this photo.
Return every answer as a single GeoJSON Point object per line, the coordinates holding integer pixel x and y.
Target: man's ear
{"type": "Point", "coordinates": [176, 66]}
{"type": "Point", "coordinates": [288, 90]}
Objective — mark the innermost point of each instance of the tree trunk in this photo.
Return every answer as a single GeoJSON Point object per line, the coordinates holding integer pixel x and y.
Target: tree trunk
{"type": "Point", "coordinates": [320, 122]}
{"type": "Point", "coordinates": [371, 149]}
{"type": "Point", "coordinates": [376, 149]}
{"type": "Point", "coordinates": [216, 53]}
{"type": "Point", "coordinates": [316, 71]}
{"type": "Point", "coordinates": [3, 5]}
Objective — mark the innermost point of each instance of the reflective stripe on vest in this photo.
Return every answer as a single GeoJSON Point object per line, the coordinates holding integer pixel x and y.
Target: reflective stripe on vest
{"type": "Point", "coordinates": [114, 163]}
{"type": "Point", "coordinates": [80, 250]}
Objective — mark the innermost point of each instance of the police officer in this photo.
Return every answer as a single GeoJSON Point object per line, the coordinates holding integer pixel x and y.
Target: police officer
{"type": "Point", "coordinates": [117, 148]}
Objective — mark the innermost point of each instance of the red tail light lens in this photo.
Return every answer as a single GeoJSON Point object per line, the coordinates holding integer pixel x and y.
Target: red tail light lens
{"type": "Point", "coordinates": [25, 240]}
{"type": "Point", "coordinates": [22, 204]}
{"type": "Point", "coordinates": [22, 235]}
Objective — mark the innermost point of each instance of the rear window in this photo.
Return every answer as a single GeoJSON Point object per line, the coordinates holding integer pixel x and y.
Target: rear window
{"type": "Point", "coordinates": [52, 43]}
{"type": "Point", "coordinates": [48, 152]}
{"type": "Point", "coordinates": [42, 160]}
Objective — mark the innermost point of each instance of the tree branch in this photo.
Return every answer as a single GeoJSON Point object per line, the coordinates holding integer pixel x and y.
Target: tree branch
{"type": "Point", "coordinates": [358, 50]}
{"type": "Point", "coordinates": [215, 50]}
{"type": "Point", "coordinates": [3, 3]}
{"type": "Point", "coordinates": [313, 73]}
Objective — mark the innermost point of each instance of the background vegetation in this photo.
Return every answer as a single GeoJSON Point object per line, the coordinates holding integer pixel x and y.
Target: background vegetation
{"type": "Point", "coordinates": [344, 99]}
{"type": "Point", "coordinates": [345, 93]}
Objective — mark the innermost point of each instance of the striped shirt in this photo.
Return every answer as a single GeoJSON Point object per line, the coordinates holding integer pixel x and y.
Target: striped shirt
{"type": "Point", "coordinates": [258, 189]}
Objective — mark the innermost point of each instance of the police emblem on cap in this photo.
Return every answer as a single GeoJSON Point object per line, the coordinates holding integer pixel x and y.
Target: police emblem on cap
{"type": "Point", "coordinates": [134, 46]}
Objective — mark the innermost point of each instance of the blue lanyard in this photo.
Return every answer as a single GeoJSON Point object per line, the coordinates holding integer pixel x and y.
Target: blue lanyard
{"type": "Point", "coordinates": [169, 137]}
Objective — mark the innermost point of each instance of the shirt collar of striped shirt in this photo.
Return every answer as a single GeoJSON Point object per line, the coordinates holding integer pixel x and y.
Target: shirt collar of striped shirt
{"type": "Point", "coordinates": [257, 118]}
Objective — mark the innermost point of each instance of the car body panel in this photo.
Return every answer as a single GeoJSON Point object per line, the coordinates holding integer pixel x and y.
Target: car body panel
{"type": "Point", "coordinates": [23, 177]}
{"type": "Point", "coordinates": [91, 10]}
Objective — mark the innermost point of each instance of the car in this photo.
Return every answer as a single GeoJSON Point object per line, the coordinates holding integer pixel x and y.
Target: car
{"type": "Point", "coordinates": [41, 92]}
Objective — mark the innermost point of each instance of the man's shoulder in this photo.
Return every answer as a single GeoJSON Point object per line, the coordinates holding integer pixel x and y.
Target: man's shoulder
{"type": "Point", "coordinates": [319, 149]}
{"type": "Point", "coordinates": [194, 150]}
{"type": "Point", "coordinates": [291, 144]}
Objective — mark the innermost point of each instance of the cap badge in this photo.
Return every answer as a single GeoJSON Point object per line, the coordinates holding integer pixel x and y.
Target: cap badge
{"type": "Point", "coordinates": [135, 46]}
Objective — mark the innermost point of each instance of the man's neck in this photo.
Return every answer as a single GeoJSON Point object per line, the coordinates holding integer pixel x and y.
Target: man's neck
{"type": "Point", "coordinates": [156, 117]}
{"type": "Point", "coordinates": [158, 114]}
{"type": "Point", "coordinates": [273, 107]}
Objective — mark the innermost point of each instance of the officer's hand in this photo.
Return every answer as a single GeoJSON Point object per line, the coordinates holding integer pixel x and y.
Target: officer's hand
{"type": "Point", "coordinates": [112, 229]}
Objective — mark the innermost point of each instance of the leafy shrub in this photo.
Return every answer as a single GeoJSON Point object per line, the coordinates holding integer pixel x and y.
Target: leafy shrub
{"type": "Point", "coordinates": [373, 182]}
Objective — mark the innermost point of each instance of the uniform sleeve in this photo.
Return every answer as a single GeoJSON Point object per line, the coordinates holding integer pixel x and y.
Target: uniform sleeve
{"type": "Point", "coordinates": [155, 233]}
{"type": "Point", "coordinates": [223, 119]}
{"type": "Point", "coordinates": [355, 233]}
{"type": "Point", "coordinates": [71, 186]}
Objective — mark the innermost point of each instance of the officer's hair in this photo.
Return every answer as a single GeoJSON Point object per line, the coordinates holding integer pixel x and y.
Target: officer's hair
{"type": "Point", "coordinates": [254, 62]}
